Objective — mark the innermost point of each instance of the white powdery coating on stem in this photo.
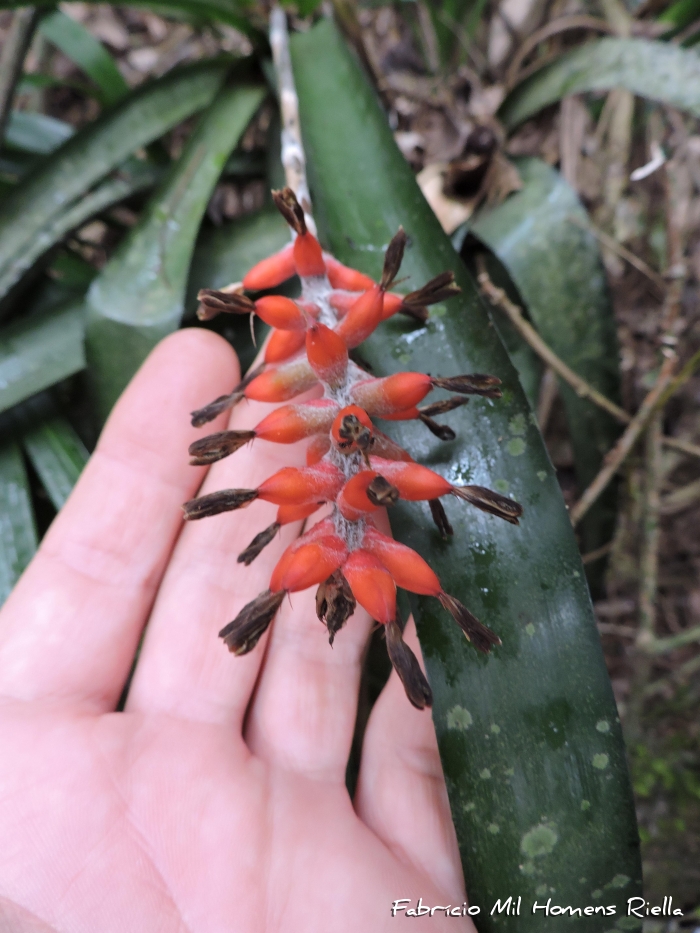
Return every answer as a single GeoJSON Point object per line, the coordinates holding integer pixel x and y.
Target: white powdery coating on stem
{"type": "Point", "coordinates": [293, 158]}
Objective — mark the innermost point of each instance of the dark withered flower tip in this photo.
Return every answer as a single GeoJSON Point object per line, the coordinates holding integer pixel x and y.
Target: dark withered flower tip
{"type": "Point", "coordinates": [335, 603]}
{"type": "Point", "coordinates": [260, 541]}
{"type": "Point", "coordinates": [292, 211]}
{"type": "Point", "coordinates": [213, 302]}
{"type": "Point", "coordinates": [437, 510]}
{"type": "Point", "coordinates": [442, 407]}
{"type": "Point", "coordinates": [217, 446]}
{"type": "Point", "coordinates": [443, 431]}
{"type": "Point", "coordinates": [489, 501]}
{"type": "Point", "coordinates": [213, 409]}
{"type": "Point", "coordinates": [471, 384]}
{"type": "Point", "coordinates": [438, 289]}
{"type": "Point", "coordinates": [243, 634]}
{"type": "Point", "coordinates": [224, 500]}
{"type": "Point", "coordinates": [406, 665]}
{"type": "Point", "coordinates": [417, 312]}
{"type": "Point", "coordinates": [381, 492]}
{"type": "Point", "coordinates": [476, 632]}
{"type": "Point", "coordinates": [393, 257]}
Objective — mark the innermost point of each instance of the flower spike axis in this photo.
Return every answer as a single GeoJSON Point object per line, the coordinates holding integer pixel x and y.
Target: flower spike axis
{"type": "Point", "coordinates": [351, 465]}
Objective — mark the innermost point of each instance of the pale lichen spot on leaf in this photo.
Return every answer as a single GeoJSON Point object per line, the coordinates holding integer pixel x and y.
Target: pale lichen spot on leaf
{"type": "Point", "coordinates": [517, 424]}
{"type": "Point", "coordinates": [502, 485]}
{"type": "Point", "coordinates": [603, 725]}
{"type": "Point", "coordinates": [585, 805]}
{"type": "Point", "coordinates": [516, 447]}
{"type": "Point", "coordinates": [541, 475]}
{"type": "Point", "coordinates": [540, 840]}
{"type": "Point", "coordinates": [485, 774]}
{"type": "Point", "coordinates": [494, 829]}
{"type": "Point", "coordinates": [459, 718]}
{"type": "Point", "coordinates": [600, 761]}
{"type": "Point", "coordinates": [495, 728]}
{"type": "Point", "coordinates": [530, 629]}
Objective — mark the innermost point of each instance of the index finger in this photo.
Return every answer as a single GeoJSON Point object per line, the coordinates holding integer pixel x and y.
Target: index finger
{"type": "Point", "coordinates": [71, 625]}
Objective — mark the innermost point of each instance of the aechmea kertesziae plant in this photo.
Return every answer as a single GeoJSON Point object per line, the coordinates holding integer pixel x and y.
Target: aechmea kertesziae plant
{"type": "Point", "coordinates": [351, 465]}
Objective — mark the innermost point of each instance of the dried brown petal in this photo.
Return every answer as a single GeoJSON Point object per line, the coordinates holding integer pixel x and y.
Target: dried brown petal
{"type": "Point", "coordinates": [417, 312]}
{"type": "Point", "coordinates": [471, 384]}
{"type": "Point", "coordinates": [443, 431]}
{"type": "Point", "coordinates": [213, 302]}
{"type": "Point", "coordinates": [260, 541]}
{"type": "Point", "coordinates": [393, 258]}
{"type": "Point", "coordinates": [381, 492]}
{"type": "Point", "coordinates": [440, 288]}
{"type": "Point", "coordinates": [442, 407]}
{"type": "Point", "coordinates": [224, 500]}
{"type": "Point", "coordinates": [489, 501]}
{"type": "Point", "coordinates": [292, 211]}
{"type": "Point", "coordinates": [223, 402]}
{"type": "Point", "coordinates": [335, 603]}
{"type": "Point", "coordinates": [406, 665]}
{"type": "Point", "coordinates": [437, 510]}
{"type": "Point", "coordinates": [243, 634]}
{"type": "Point", "coordinates": [476, 632]}
{"type": "Point", "coordinates": [217, 446]}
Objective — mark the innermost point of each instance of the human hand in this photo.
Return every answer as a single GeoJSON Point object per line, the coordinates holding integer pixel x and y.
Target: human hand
{"type": "Point", "coordinates": [216, 801]}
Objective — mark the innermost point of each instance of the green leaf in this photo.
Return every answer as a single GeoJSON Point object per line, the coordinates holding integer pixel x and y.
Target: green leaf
{"type": "Point", "coordinates": [656, 70]}
{"type": "Point", "coordinates": [36, 132]}
{"type": "Point", "coordinates": [18, 538]}
{"type": "Point", "coordinates": [38, 351]}
{"type": "Point", "coordinates": [94, 152]}
{"type": "Point", "coordinates": [57, 454]}
{"type": "Point", "coordinates": [134, 176]}
{"type": "Point", "coordinates": [88, 53]}
{"type": "Point", "coordinates": [529, 737]}
{"type": "Point", "coordinates": [539, 234]}
{"type": "Point", "coordinates": [139, 296]}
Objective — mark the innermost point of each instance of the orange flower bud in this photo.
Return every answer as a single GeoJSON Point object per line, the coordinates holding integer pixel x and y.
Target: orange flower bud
{"type": "Point", "coordinates": [352, 500]}
{"type": "Point", "coordinates": [302, 485]}
{"type": "Point", "coordinates": [280, 312]}
{"type": "Point", "coordinates": [283, 344]}
{"type": "Point", "coordinates": [308, 257]}
{"type": "Point", "coordinates": [271, 272]}
{"type": "Point", "coordinates": [408, 569]}
{"type": "Point", "coordinates": [344, 277]}
{"type": "Point", "coordinates": [363, 317]}
{"type": "Point", "coordinates": [281, 383]}
{"type": "Point", "coordinates": [291, 423]}
{"type": "Point", "coordinates": [408, 414]}
{"type": "Point", "coordinates": [392, 394]}
{"type": "Point", "coordinates": [342, 301]}
{"type": "Point", "coordinates": [392, 304]}
{"type": "Point", "coordinates": [372, 585]}
{"type": "Point", "coordinates": [295, 513]}
{"type": "Point", "coordinates": [307, 564]}
{"type": "Point", "coordinates": [327, 353]}
{"type": "Point", "coordinates": [317, 449]}
{"type": "Point", "coordinates": [413, 481]}
{"type": "Point", "coordinates": [311, 554]}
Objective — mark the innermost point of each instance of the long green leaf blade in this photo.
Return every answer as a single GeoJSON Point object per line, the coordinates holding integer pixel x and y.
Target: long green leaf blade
{"type": "Point", "coordinates": [529, 737]}
{"type": "Point", "coordinates": [540, 236]}
{"type": "Point", "coordinates": [94, 152]}
{"type": "Point", "coordinates": [88, 53]}
{"type": "Point", "coordinates": [39, 351]}
{"type": "Point", "coordinates": [139, 296]}
{"type": "Point", "coordinates": [656, 70]}
{"type": "Point", "coordinates": [57, 454]}
{"type": "Point", "coordinates": [18, 538]}
{"type": "Point", "coordinates": [36, 132]}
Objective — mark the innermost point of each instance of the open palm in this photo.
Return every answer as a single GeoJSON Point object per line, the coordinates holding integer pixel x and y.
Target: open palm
{"type": "Point", "coordinates": [216, 801]}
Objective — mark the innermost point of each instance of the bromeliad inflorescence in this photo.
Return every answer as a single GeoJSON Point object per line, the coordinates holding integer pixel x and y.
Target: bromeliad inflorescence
{"type": "Point", "coordinates": [350, 463]}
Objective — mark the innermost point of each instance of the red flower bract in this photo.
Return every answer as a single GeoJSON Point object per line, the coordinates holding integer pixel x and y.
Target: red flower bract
{"type": "Point", "coordinates": [351, 464]}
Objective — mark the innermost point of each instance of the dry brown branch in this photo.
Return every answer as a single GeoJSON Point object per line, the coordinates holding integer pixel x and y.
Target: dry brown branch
{"type": "Point", "coordinates": [616, 457]}
{"type": "Point", "coordinates": [615, 247]}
